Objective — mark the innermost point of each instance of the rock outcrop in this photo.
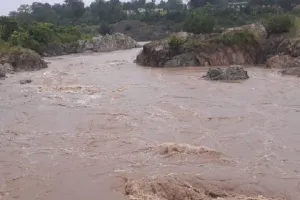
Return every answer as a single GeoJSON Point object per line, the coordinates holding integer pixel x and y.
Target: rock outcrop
{"type": "Point", "coordinates": [116, 41]}
{"type": "Point", "coordinates": [290, 46]}
{"type": "Point", "coordinates": [288, 58]}
{"type": "Point", "coordinates": [289, 65]}
{"type": "Point", "coordinates": [231, 73]}
{"type": "Point", "coordinates": [21, 60]}
{"type": "Point", "coordinates": [234, 46]}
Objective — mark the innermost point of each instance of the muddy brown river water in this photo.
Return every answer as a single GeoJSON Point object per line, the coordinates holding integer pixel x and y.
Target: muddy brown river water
{"type": "Point", "coordinates": [89, 122]}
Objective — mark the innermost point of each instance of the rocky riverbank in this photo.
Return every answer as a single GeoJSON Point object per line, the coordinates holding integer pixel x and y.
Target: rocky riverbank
{"type": "Point", "coordinates": [116, 41]}
{"type": "Point", "coordinates": [13, 59]}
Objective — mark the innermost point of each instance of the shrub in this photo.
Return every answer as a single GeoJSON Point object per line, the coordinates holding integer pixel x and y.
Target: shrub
{"type": "Point", "coordinates": [239, 37]}
{"type": "Point", "coordinates": [278, 23]}
{"type": "Point", "coordinates": [23, 39]}
{"type": "Point", "coordinates": [175, 41]}
{"type": "Point", "coordinates": [37, 36]}
{"type": "Point", "coordinates": [6, 48]}
{"type": "Point", "coordinates": [104, 28]}
{"type": "Point", "coordinates": [199, 21]}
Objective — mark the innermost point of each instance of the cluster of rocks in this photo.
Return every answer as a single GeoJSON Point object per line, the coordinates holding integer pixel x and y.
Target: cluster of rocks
{"type": "Point", "coordinates": [230, 73]}
{"type": "Point", "coordinates": [288, 59]}
{"type": "Point", "coordinates": [106, 43]}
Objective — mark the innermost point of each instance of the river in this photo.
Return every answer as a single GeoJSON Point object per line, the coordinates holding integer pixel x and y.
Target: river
{"type": "Point", "coordinates": [90, 121]}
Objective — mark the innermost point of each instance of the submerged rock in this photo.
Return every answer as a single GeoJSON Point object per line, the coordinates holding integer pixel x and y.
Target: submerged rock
{"type": "Point", "coordinates": [231, 73]}
{"type": "Point", "coordinates": [25, 81]}
{"type": "Point", "coordinates": [291, 71]}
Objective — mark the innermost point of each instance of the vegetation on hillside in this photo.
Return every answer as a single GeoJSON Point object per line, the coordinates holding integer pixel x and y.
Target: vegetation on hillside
{"type": "Point", "coordinates": [278, 23]}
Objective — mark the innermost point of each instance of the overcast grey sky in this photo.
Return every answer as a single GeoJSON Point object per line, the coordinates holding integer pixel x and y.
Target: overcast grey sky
{"type": "Point", "coordinates": [11, 5]}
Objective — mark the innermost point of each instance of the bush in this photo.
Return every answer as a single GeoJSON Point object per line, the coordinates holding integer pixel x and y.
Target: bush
{"type": "Point", "coordinates": [239, 37]}
{"type": "Point", "coordinates": [278, 23]}
{"type": "Point", "coordinates": [6, 48]}
{"type": "Point", "coordinates": [104, 28]}
{"type": "Point", "coordinates": [37, 36]}
{"type": "Point", "coordinates": [199, 21]}
{"type": "Point", "coordinates": [176, 42]}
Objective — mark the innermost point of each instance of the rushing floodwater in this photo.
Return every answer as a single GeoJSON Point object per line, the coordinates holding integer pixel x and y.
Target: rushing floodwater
{"type": "Point", "coordinates": [88, 121]}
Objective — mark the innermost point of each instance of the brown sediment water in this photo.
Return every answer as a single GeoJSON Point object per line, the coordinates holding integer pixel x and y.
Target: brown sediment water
{"type": "Point", "coordinates": [93, 125]}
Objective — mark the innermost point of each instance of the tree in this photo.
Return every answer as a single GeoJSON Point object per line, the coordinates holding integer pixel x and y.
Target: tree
{"type": "Point", "coordinates": [202, 3]}
{"type": "Point", "coordinates": [75, 9]}
{"type": "Point", "coordinates": [7, 27]}
{"type": "Point", "coordinates": [175, 5]}
{"type": "Point", "coordinates": [43, 12]}
{"type": "Point", "coordinates": [200, 21]}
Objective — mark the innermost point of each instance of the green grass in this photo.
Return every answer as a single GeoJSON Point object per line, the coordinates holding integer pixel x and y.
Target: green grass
{"type": "Point", "coordinates": [237, 38]}
{"type": "Point", "coordinates": [6, 48]}
{"type": "Point", "coordinates": [175, 41]}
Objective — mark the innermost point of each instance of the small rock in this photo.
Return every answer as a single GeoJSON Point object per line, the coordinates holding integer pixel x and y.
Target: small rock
{"type": "Point", "coordinates": [25, 81]}
{"type": "Point", "coordinates": [2, 75]}
{"type": "Point", "coordinates": [295, 71]}
{"type": "Point", "coordinates": [7, 68]}
{"type": "Point", "coordinates": [231, 73]}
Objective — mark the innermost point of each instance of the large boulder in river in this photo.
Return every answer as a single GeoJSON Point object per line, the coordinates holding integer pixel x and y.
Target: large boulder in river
{"type": "Point", "coordinates": [19, 59]}
{"type": "Point", "coordinates": [233, 47]}
{"type": "Point", "coordinates": [231, 73]}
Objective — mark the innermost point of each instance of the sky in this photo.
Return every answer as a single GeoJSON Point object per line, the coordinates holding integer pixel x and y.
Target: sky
{"type": "Point", "coordinates": [12, 5]}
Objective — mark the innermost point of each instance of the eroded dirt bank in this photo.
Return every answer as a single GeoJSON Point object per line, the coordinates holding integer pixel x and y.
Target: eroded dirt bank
{"type": "Point", "coordinates": [91, 126]}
